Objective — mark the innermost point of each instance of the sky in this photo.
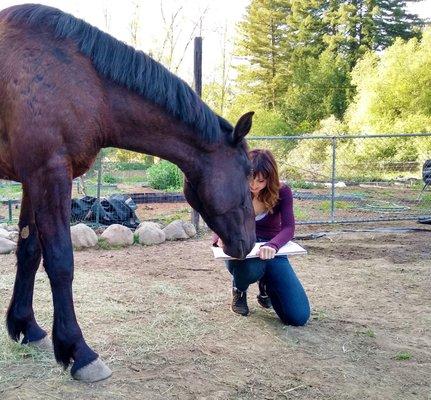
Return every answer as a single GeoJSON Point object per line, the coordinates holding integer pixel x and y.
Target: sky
{"type": "Point", "coordinates": [219, 19]}
{"type": "Point", "coordinates": [218, 16]}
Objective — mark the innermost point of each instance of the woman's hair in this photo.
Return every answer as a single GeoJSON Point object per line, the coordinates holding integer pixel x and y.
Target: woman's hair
{"type": "Point", "coordinates": [263, 163]}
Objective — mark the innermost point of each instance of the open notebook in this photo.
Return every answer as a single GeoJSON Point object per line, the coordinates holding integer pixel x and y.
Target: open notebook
{"type": "Point", "coordinates": [289, 249]}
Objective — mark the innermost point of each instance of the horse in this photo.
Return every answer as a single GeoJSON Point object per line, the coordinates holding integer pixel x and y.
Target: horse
{"type": "Point", "coordinates": [67, 90]}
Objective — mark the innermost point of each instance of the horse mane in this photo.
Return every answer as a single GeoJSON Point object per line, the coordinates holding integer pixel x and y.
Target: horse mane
{"type": "Point", "coordinates": [128, 67]}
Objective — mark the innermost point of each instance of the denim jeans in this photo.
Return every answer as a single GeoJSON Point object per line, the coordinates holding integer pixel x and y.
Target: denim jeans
{"type": "Point", "coordinates": [283, 286]}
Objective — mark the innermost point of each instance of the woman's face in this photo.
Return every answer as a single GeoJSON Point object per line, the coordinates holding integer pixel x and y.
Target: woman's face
{"type": "Point", "coordinates": [257, 184]}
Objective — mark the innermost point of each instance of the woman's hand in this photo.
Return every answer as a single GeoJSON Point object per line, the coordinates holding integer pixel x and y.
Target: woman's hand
{"type": "Point", "coordinates": [266, 253]}
{"type": "Point", "coordinates": [220, 243]}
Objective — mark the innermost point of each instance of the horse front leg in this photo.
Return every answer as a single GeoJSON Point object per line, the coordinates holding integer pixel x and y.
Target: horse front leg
{"type": "Point", "coordinates": [20, 318]}
{"type": "Point", "coordinates": [51, 193]}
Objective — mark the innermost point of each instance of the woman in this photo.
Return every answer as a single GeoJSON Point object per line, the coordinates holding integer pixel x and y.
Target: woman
{"type": "Point", "coordinates": [275, 225]}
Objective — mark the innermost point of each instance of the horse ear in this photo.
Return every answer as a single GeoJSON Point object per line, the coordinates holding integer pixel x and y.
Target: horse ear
{"type": "Point", "coordinates": [242, 127]}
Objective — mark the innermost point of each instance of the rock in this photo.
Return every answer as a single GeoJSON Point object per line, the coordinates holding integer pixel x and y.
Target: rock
{"type": "Point", "coordinates": [149, 223]}
{"type": "Point", "coordinates": [337, 185]}
{"type": "Point", "coordinates": [189, 228]}
{"type": "Point", "coordinates": [4, 233]}
{"type": "Point", "coordinates": [14, 236]}
{"type": "Point", "coordinates": [83, 236]}
{"type": "Point", "coordinates": [150, 233]}
{"type": "Point", "coordinates": [179, 230]}
{"type": "Point", "coordinates": [118, 235]}
{"type": "Point", "coordinates": [6, 246]}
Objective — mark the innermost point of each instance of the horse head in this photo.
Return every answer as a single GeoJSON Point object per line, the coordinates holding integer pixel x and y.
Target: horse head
{"type": "Point", "coordinates": [220, 192]}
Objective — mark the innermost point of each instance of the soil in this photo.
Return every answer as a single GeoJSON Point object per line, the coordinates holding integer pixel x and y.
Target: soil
{"type": "Point", "coordinates": [159, 316]}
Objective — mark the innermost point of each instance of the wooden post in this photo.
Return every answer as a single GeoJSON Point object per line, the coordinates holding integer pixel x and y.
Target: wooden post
{"type": "Point", "coordinates": [198, 90]}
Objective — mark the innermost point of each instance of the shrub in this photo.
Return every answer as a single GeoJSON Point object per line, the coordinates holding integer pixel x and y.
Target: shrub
{"type": "Point", "coordinates": [108, 178]}
{"type": "Point", "coordinates": [165, 175]}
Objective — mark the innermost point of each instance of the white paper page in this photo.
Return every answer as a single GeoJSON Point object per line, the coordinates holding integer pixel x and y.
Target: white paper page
{"type": "Point", "coordinates": [289, 249]}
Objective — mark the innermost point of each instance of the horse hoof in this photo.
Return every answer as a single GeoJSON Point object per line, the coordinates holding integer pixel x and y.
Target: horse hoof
{"type": "Point", "coordinates": [44, 344]}
{"type": "Point", "coordinates": [93, 372]}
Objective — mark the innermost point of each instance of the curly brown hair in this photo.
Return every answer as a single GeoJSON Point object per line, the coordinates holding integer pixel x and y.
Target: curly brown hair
{"type": "Point", "coordinates": [263, 163]}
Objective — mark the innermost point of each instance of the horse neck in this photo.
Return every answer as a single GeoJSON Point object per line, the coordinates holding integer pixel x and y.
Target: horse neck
{"type": "Point", "coordinates": [142, 126]}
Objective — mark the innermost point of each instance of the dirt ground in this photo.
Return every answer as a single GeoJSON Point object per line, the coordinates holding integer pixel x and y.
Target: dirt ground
{"type": "Point", "coordinates": [159, 316]}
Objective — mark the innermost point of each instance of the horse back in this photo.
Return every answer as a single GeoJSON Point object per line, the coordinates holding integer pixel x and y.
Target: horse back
{"type": "Point", "coordinates": [52, 102]}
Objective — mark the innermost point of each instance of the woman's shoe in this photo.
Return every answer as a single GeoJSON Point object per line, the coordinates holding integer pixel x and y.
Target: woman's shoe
{"type": "Point", "coordinates": [263, 298]}
{"type": "Point", "coordinates": [239, 302]}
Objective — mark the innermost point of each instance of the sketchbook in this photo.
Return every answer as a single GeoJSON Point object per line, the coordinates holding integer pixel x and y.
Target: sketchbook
{"type": "Point", "coordinates": [289, 249]}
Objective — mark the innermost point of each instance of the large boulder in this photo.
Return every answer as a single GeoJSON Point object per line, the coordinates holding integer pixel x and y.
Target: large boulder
{"type": "Point", "coordinates": [189, 228]}
{"type": "Point", "coordinates": [149, 223]}
{"type": "Point", "coordinates": [118, 235]}
{"type": "Point", "coordinates": [4, 233]}
{"type": "Point", "coordinates": [179, 230]}
{"type": "Point", "coordinates": [83, 236]}
{"type": "Point", "coordinates": [6, 246]}
{"type": "Point", "coordinates": [150, 233]}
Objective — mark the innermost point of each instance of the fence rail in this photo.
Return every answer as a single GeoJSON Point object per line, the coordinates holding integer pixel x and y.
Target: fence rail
{"type": "Point", "coordinates": [335, 179]}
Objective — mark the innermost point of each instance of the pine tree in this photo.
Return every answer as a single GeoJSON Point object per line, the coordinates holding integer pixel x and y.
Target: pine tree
{"type": "Point", "coordinates": [392, 21]}
{"type": "Point", "coordinates": [262, 44]}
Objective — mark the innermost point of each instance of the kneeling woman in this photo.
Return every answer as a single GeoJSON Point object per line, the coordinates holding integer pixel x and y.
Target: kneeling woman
{"type": "Point", "coordinates": [275, 224]}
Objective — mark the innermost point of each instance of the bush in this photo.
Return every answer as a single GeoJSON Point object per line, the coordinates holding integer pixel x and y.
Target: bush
{"type": "Point", "coordinates": [165, 175]}
{"type": "Point", "coordinates": [110, 179]}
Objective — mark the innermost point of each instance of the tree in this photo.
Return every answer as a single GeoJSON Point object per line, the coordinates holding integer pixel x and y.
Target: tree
{"type": "Point", "coordinates": [301, 52]}
{"type": "Point", "coordinates": [394, 96]}
{"type": "Point", "coordinates": [393, 88]}
{"type": "Point", "coordinates": [318, 88]}
{"type": "Point", "coordinates": [218, 94]}
{"type": "Point", "coordinates": [262, 45]}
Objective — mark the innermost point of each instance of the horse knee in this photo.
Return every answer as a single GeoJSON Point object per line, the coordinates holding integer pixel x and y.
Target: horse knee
{"type": "Point", "coordinates": [59, 269]}
{"type": "Point", "coordinates": [29, 249]}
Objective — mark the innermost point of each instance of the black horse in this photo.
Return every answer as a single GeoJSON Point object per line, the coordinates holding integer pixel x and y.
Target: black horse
{"type": "Point", "coordinates": [66, 91]}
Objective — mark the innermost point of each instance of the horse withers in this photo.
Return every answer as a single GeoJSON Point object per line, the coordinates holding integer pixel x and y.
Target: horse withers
{"type": "Point", "coordinates": [67, 90]}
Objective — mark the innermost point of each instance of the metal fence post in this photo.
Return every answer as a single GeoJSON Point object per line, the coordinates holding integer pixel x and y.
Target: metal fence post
{"type": "Point", "coordinates": [198, 89]}
{"type": "Point", "coordinates": [333, 177]}
{"type": "Point", "coordinates": [99, 184]}
{"type": "Point", "coordinates": [9, 203]}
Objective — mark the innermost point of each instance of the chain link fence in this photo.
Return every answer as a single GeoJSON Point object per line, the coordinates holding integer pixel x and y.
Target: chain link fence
{"type": "Point", "coordinates": [335, 179]}
{"type": "Point", "coordinates": [354, 178]}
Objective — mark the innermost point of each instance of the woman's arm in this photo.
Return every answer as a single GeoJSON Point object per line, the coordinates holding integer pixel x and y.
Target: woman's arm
{"type": "Point", "coordinates": [287, 220]}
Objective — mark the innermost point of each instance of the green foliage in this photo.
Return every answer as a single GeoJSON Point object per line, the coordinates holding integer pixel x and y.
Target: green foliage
{"type": "Point", "coordinates": [108, 178]}
{"type": "Point", "coordinates": [393, 96]}
{"type": "Point", "coordinates": [393, 90]}
{"type": "Point", "coordinates": [166, 219]}
{"type": "Point", "coordinates": [300, 54]}
{"type": "Point", "coordinates": [164, 175]}
{"type": "Point", "coordinates": [218, 96]}
{"type": "Point", "coordinates": [262, 44]}
{"type": "Point", "coordinates": [403, 356]}
{"type": "Point", "coordinates": [319, 87]}
{"type": "Point", "coordinates": [132, 165]}
{"type": "Point", "coordinates": [126, 156]}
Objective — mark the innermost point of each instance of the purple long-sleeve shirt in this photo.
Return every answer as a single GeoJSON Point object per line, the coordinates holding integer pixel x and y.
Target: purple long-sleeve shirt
{"type": "Point", "coordinates": [277, 228]}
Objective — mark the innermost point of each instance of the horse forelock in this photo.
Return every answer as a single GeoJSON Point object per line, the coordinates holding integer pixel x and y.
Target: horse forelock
{"type": "Point", "coordinates": [126, 66]}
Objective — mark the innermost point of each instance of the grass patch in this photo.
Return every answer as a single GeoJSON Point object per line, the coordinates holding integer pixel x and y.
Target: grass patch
{"type": "Point", "coordinates": [166, 219]}
{"type": "Point", "coordinates": [103, 244]}
{"type": "Point", "coordinates": [325, 206]}
{"type": "Point", "coordinates": [319, 315]}
{"type": "Point", "coordinates": [403, 356]}
{"type": "Point", "coordinates": [367, 332]}
{"type": "Point", "coordinates": [299, 212]}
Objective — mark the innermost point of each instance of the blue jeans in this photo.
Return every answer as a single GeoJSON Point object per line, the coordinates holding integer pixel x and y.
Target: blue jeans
{"type": "Point", "coordinates": [282, 285]}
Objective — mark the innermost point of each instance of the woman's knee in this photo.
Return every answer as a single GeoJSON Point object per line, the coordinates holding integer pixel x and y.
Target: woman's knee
{"type": "Point", "coordinates": [297, 318]}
